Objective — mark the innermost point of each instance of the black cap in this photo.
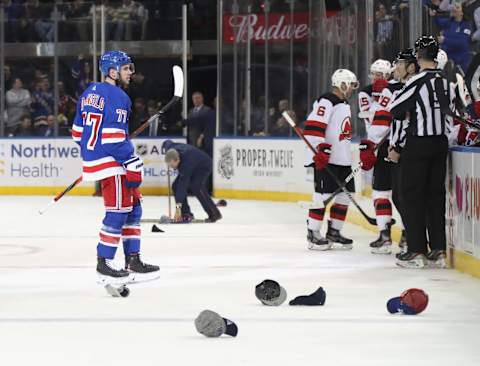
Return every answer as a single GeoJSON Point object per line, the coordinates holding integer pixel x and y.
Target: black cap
{"type": "Point", "coordinates": [426, 47]}
{"type": "Point", "coordinates": [408, 54]}
{"type": "Point", "coordinates": [317, 298]}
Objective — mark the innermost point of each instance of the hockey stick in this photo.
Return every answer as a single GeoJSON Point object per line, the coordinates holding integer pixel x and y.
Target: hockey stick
{"type": "Point", "coordinates": [177, 95]}
{"type": "Point", "coordinates": [445, 107]}
{"type": "Point", "coordinates": [353, 173]}
{"type": "Point", "coordinates": [371, 220]}
{"type": "Point", "coordinates": [169, 194]}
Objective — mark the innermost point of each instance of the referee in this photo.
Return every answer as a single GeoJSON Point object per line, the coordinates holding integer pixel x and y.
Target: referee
{"type": "Point", "coordinates": [425, 98]}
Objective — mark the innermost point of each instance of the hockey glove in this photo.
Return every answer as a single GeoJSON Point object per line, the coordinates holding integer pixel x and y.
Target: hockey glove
{"type": "Point", "coordinates": [367, 154]}
{"type": "Point", "coordinates": [378, 87]}
{"type": "Point", "coordinates": [134, 169]}
{"type": "Point", "coordinates": [322, 156]}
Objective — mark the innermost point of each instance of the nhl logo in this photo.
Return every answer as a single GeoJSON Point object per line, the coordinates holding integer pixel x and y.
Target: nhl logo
{"type": "Point", "coordinates": [225, 163]}
{"type": "Point", "coordinates": [142, 149]}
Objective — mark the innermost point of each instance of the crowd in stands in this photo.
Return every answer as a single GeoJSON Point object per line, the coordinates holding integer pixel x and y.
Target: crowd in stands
{"type": "Point", "coordinates": [126, 20]}
{"type": "Point", "coordinates": [30, 99]}
{"type": "Point", "coordinates": [456, 24]}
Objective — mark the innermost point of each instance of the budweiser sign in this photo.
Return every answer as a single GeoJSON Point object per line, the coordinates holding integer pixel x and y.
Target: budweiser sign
{"type": "Point", "coordinates": [239, 28]}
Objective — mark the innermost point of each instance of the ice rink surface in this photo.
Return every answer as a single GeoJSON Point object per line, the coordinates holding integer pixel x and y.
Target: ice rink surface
{"type": "Point", "coordinates": [53, 313]}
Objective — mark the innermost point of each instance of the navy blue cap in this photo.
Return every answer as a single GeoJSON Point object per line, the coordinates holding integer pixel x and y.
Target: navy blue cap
{"type": "Point", "coordinates": [396, 305]}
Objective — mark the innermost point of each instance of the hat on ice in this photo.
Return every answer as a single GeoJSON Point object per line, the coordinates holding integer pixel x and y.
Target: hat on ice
{"type": "Point", "coordinates": [270, 293]}
{"type": "Point", "coordinates": [411, 302]}
{"type": "Point", "coordinates": [211, 324]}
{"type": "Point", "coordinates": [316, 298]}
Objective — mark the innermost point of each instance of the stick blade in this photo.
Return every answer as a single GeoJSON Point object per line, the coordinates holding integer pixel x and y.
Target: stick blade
{"type": "Point", "coordinates": [288, 118]}
{"type": "Point", "coordinates": [178, 81]}
{"type": "Point", "coordinates": [44, 209]}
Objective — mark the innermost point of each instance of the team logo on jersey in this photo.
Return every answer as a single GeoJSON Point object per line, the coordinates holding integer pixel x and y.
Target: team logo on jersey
{"type": "Point", "coordinates": [346, 130]}
{"type": "Point", "coordinates": [225, 163]}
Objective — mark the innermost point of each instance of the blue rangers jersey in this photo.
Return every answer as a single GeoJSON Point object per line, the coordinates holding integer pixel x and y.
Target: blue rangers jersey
{"type": "Point", "coordinates": [100, 128]}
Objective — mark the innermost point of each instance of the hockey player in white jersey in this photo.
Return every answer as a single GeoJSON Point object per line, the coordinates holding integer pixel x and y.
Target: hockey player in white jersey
{"type": "Point", "coordinates": [329, 129]}
{"type": "Point", "coordinates": [384, 171]}
{"type": "Point", "coordinates": [380, 72]}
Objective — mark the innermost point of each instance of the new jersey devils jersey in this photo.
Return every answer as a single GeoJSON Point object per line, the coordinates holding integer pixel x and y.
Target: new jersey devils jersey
{"type": "Point", "coordinates": [382, 118]}
{"type": "Point", "coordinates": [330, 122]}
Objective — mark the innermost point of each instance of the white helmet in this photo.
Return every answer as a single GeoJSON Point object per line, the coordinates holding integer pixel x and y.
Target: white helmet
{"type": "Point", "coordinates": [381, 66]}
{"type": "Point", "coordinates": [341, 76]}
{"type": "Point", "coordinates": [441, 59]}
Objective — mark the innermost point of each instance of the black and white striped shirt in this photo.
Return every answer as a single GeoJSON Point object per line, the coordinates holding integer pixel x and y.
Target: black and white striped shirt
{"type": "Point", "coordinates": [418, 99]}
{"type": "Point", "coordinates": [398, 133]}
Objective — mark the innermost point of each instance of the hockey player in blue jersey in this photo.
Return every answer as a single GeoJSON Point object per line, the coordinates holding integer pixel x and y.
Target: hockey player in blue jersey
{"type": "Point", "coordinates": [100, 128]}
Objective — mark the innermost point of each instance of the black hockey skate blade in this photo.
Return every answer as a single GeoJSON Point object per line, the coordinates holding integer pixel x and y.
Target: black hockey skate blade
{"type": "Point", "coordinates": [156, 229]}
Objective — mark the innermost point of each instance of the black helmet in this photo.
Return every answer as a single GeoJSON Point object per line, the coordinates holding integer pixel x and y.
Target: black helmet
{"type": "Point", "coordinates": [426, 47]}
{"type": "Point", "coordinates": [408, 54]}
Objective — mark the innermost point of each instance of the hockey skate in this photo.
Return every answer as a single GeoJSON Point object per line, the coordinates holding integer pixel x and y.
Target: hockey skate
{"type": "Point", "coordinates": [114, 280]}
{"type": "Point", "coordinates": [437, 259]}
{"type": "Point", "coordinates": [334, 236]}
{"type": "Point", "coordinates": [383, 245]}
{"type": "Point", "coordinates": [412, 260]}
{"type": "Point", "coordinates": [108, 274]}
{"type": "Point", "coordinates": [140, 271]}
{"type": "Point", "coordinates": [402, 244]}
{"type": "Point", "coordinates": [316, 242]}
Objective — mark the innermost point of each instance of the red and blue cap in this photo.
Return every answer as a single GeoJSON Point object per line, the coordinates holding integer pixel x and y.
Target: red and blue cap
{"type": "Point", "coordinates": [411, 302]}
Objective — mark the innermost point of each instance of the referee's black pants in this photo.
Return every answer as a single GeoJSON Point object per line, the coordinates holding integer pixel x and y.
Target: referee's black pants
{"type": "Point", "coordinates": [422, 177]}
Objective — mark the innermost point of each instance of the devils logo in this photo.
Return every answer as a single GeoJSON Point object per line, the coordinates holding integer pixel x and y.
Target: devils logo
{"type": "Point", "coordinates": [346, 130]}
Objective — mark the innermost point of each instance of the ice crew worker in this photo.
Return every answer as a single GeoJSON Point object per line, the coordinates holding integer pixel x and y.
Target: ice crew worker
{"type": "Point", "coordinates": [194, 168]}
{"type": "Point", "coordinates": [425, 98]}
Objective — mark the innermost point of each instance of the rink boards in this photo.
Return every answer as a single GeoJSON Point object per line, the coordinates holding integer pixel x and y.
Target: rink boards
{"type": "Point", "coordinates": [463, 208]}
{"type": "Point", "coordinates": [263, 169]}
{"type": "Point", "coordinates": [45, 166]}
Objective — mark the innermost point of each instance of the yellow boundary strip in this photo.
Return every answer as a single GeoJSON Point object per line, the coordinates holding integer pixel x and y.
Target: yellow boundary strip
{"type": "Point", "coordinates": [77, 191]}
{"type": "Point", "coordinates": [261, 195]}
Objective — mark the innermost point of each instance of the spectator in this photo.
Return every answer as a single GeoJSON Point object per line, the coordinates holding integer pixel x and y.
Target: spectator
{"type": "Point", "coordinates": [82, 74]}
{"type": "Point", "coordinates": [152, 109]}
{"type": "Point", "coordinates": [40, 14]}
{"type": "Point", "coordinates": [46, 128]}
{"type": "Point", "coordinates": [77, 14]}
{"type": "Point", "coordinates": [14, 11]}
{"type": "Point", "coordinates": [25, 128]}
{"type": "Point", "coordinates": [258, 117]}
{"type": "Point", "coordinates": [141, 87]}
{"type": "Point", "coordinates": [283, 105]}
{"type": "Point", "coordinates": [8, 77]}
{"type": "Point", "coordinates": [124, 18]}
{"type": "Point", "coordinates": [139, 115]}
{"type": "Point", "coordinates": [66, 104]}
{"type": "Point", "coordinates": [42, 101]}
{"type": "Point", "coordinates": [18, 104]}
{"type": "Point", "coordinates": [384, 35]}
{"type": "Point", "coordinates": [476, 34]}
{"type": "Point", "coordinates": [455, 36]}
{"type": "Point", "coordinates": [281, 126]}
{"type": "Point", "coordinates": [193, 122]}
{"type": "Point", "coordinates": [399, 6]}
{"type": "Point", "coordinates": [208, 128]}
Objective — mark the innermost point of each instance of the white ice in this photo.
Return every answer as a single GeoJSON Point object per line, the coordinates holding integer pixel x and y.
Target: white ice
{"type": "Point", "coordinates": [52, 312]}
